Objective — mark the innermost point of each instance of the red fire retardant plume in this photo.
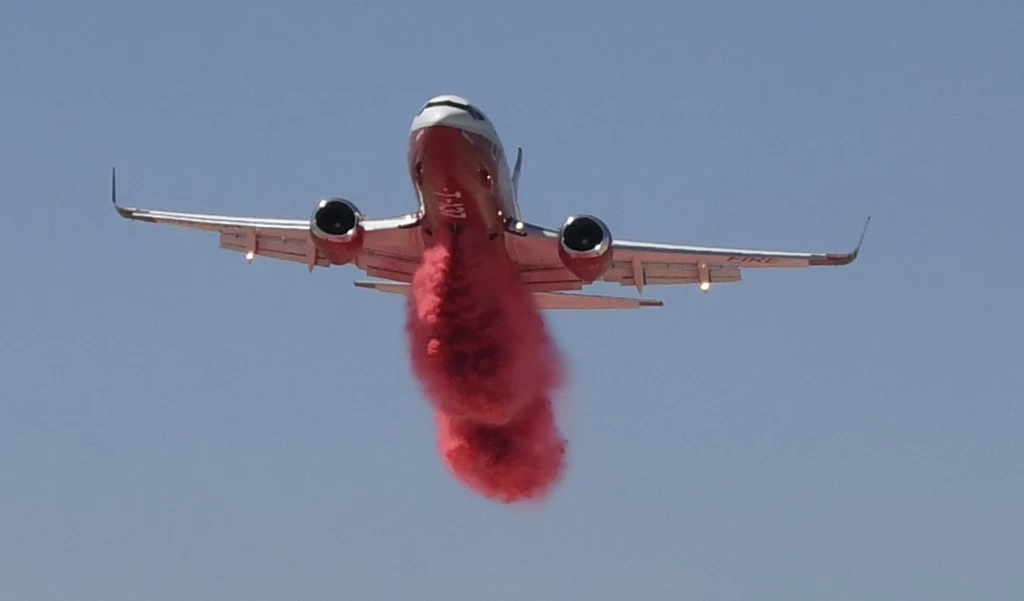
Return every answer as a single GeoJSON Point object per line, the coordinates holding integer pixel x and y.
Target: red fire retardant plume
{"type": "Point", "coordinates": [480, 348]}
{"type": "Point", "coordinates": [509, 463]}
{"type": "Point", "coordinates": [479, 344]}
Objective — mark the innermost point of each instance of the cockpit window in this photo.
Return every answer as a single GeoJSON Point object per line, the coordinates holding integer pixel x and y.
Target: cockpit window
{"type": "Point", "coordinates": [476, 113]}
{"type": "Point", "coordinates": [469, 108]}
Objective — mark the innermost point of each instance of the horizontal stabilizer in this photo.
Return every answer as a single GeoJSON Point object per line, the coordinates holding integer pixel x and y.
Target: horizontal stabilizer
{"type": "Point", "coordinates": [389, 287]}
{"type": "Point", "coordinates": [545, 300]}
{"type": "Point", "coordinates": [585, 302]}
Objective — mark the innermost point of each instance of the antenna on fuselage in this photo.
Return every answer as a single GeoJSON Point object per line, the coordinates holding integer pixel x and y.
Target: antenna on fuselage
{"type": "Point", "coordinates": [517, 170]}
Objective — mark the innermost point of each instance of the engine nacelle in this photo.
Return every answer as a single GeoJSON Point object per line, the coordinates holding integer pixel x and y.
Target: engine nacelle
{"type": "Point", "coordinates": [584, 245]}
{"type": "Point", "coordinates": [336, 229]}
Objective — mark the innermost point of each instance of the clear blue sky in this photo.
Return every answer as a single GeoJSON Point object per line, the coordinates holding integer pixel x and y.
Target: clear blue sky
{"type": "Point", "coordinates": [176, 424]}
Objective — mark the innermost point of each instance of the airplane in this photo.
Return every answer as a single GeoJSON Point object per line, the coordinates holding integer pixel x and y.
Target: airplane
{"type": "Point", "coordinates": [462, 181]}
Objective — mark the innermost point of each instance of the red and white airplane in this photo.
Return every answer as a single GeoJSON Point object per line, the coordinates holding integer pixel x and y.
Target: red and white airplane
{"type": "Point", "coordinates": [461, 176]}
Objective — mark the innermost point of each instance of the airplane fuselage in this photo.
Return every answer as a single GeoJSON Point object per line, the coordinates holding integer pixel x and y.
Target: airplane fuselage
{"type": "Point", "coordinates": [459, 169]}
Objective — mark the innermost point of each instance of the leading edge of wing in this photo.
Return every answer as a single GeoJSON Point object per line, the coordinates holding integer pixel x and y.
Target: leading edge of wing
{"type": "Point", "coordinates": [812, 259]}
{"type": "Point", "coordinates": [199, 219]}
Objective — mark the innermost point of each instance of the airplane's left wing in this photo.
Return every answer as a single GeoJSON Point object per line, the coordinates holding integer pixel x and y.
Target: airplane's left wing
{"type": "Point", "coordinates": [391, 247]}
{"type": "Point", "coordinates": [639, 264]}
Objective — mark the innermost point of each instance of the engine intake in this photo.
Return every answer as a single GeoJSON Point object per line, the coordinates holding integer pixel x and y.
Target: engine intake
{"type": "Point", "coordinates": [335, 219]}
{"type": "Point", "coordinates": [584, 246]}
{"type": "Point", "coordinates": [336, 228]}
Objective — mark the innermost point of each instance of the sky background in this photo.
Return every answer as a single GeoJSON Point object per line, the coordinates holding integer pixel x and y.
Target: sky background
{"type": "Point", "coordinates": [176, 424]}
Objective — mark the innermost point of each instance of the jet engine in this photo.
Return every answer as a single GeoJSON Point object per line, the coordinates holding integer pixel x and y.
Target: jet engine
{"type": "Point", "coordinates": [336, 229]}
{"type": "Point", "coordinates": [585, 245]}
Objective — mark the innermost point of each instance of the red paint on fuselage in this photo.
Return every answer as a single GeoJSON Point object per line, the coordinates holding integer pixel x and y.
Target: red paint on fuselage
{"type": "Point", "coordinates": [462, 180]}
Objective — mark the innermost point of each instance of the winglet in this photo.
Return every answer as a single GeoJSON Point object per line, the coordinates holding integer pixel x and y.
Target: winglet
{"type": "Point", "coordinates": [517, 170]}
{"type": "Point", "coordinates": [122, 211]}
{"type": "Point", "coordinates": [842, 258]}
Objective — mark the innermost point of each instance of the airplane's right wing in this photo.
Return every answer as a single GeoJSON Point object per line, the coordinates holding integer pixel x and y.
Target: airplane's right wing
{"type": "Point", "coordinates": [391, 247]}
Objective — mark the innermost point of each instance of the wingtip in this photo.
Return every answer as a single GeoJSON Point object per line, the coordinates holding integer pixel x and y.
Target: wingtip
{"type": "Point", "coordinates": [863, 232]}
{"type": "Point", "coordinates": [838, 259]}
{"type": "Point", "coordinates": [852, 256]}
{"type": "Point", "coordinates": [122, 211]}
